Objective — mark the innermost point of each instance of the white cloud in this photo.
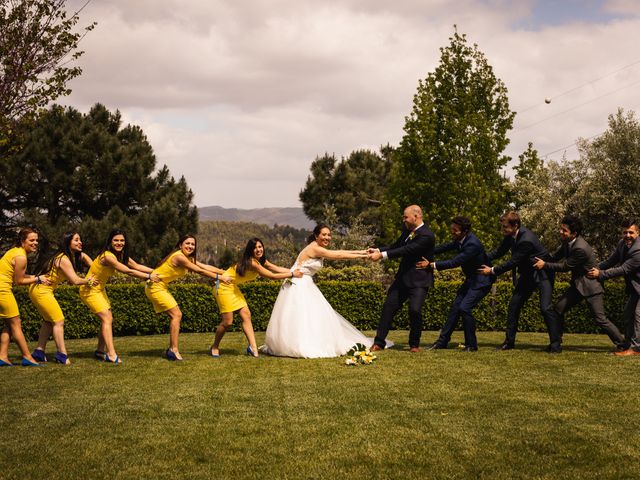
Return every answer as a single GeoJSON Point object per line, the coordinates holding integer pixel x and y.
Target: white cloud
{"type": "Point", "coordinates": [242, 96]}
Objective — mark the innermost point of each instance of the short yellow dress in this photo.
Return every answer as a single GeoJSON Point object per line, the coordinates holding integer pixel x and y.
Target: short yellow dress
{"type": "Point", "coordinates": [158, 292]}
{"type": "Point", "coordinates": [96, 297]}
{"type": "Point", "coordinates": [42, 295]}
{"type": "Point", "coordinates": [228, 296]}
{"type": "Point", "coordinates": [8, 304]}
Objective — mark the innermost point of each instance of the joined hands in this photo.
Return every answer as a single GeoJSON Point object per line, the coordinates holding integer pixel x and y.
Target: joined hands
{"type": "Point", "coordinates": [374, 254]}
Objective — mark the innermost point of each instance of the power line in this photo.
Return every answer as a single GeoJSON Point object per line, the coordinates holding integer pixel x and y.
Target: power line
{"type": "Point", "coordinates": [583, 85]}
{"type": "Point", "coordinates": [579, 105]}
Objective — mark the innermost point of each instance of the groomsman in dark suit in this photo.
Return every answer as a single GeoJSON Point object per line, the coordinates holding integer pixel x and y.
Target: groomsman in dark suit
{"type": "Point", "coordinates": [525, 247]}
{"type": "Point", "coordinates": [625, 261]}
{"type": "Point", "coordinates": [411, 283]}
{"type": "Point", "coordinates": [471, 255]}
{"type": "Point", "coordinates": [577, 256]}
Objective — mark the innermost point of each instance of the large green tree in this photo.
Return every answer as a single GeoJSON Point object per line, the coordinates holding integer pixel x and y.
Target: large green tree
{"type": "Point", "coordinates": [601, 186]}
{"type": "Point", "coordinates": [87, 171]}
{"type": "Point", "coordinates": [451, 155]}
{"type": "Point", "coordinates": [348, 190]}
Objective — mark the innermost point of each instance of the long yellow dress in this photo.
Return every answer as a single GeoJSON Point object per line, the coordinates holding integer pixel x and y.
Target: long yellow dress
{"type": "Point", "coordinates": [228, 296]}
{"type": "Point", "coordinates": [96, 297]}
{"type": "Point", "coordinates": [8, 304]}
{"type": "Point", "coordinates": [158, 292]}
{"type": "Point", "coordinates": [42, 295]}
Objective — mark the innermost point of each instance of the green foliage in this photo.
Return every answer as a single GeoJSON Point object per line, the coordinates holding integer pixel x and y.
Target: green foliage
{"type": "Point", "coordinates": [221, 243]}
{"type": "Point", "coordinates": [359, 302]}
{"type": "Point", "coordinates": [87, 172]}
{"type": "Point", "coordinates": [37, 44]}
{"type": "Point", "coordinates": [450, 157]}
{"type": "Point", "coordinates": [529, 164]}
{"type": "Point", "coordinates": [601, 187]}
{"type": "Point", "coordinates": [351, 188]}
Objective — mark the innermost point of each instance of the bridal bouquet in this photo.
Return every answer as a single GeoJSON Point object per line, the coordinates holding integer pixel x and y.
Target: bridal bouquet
{"type": "Point", "coordinates": [359, 354]}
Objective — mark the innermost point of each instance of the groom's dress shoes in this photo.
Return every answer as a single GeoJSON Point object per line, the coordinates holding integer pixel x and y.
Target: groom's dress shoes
{"type": "Point", "coordinates": [436, 346]}
{"type": "Point", "coordinates": [505, 346]}
{"type": "Point", "coordinates": [470, 349]}
{"type": "Point", "coordinates": [375, 348]}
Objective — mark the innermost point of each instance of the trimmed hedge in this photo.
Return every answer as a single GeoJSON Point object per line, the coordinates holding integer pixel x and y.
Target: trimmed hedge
{"type": "Point", "coordinates": [358, 302]}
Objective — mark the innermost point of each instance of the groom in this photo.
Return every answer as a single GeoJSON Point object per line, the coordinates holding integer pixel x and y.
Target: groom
{"type": "Point", "coordinates": [410, 283]}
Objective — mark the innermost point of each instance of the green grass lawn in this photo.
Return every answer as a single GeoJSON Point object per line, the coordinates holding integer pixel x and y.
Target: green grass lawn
{"type": "Point", "coordinates": [442, 414]}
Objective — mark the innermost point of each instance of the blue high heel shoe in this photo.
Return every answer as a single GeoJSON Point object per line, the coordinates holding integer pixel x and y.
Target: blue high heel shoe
{"type": "Point", "coordinates": [39, 355]}
{"type": "Point", "coordinates": [28, 363]}
{"type": "Point", "coordinates": [99, 355]}
{"type": "Point", "coordinates": [6, 364]}
{"type": "Point", "coordinates": [115, 360]}
{"type": "Point", "coordinates": [172, 356]}
{"type": "Point", "coordinates": [61, 358]}
{"type": "Point", "coordinates": [251, 352]}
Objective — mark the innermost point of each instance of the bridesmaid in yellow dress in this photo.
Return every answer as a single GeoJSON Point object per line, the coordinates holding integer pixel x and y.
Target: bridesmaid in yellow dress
{"type": "Point", "coordinates": [230, 299]}
{"type": "Point", "coordinates": [173, 266]}
{"type": "Point", "coordinates": [13, 268]}
{"type": "Point", "coordinates": [61, 266]}
{"type": "Point", "coordinates": [113, 257]}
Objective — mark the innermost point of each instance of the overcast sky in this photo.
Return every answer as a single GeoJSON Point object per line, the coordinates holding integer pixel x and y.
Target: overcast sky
{"type": "Point", "coordinates": [240, 96]}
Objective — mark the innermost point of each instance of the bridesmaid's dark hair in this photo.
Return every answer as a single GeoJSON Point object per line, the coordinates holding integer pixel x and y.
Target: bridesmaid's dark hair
{"type": "Point", "coordinates": [64, 248]}
{"type": "Point", "coordinates": [178, 247]}
{"type": "Point", "coordinates": [247, 256]}
{"type": "Point", "coordinates": [316, 232]}
{"type": "Point", "coordinates": [123, 256]}
{"type": "Point", "coordinates": [22, 236]}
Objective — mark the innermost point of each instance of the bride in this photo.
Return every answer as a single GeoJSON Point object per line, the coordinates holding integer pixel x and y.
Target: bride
{"type": "Point", "coordinates": [303, 324]}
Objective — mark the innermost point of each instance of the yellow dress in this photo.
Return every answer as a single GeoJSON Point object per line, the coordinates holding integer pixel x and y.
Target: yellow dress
{"type": "Point", "coordinates": [96, 297]}
{"type": "Point", "coordinates": [158, 292]}
{"type": "Point", "coordinates": [229, 297]}
{"type": "Point", "coordinates": [8, 304]}
{"type": "Point", "coordinates": [42, 295]}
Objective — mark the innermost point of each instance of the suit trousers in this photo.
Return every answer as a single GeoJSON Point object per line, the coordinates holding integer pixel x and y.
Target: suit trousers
{"type": "Point", "coordinates": [396, 296]}
{"type": "Point", "coordinates": [632, 320]}
{"type": "Point", "coordinates": [464, 303]}
{"type": "Point", "coordinates": [521, 293]}
{"type": "Point", "coordinates": [570, 298]}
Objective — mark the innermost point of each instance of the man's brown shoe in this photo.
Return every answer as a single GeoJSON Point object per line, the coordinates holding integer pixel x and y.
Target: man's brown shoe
{"type": "Point", "coordinates": [624, 353]}
{"type": "Point", "coordinates": [415, 349]}
{"type": "Point", "coordinates": [375, 348]}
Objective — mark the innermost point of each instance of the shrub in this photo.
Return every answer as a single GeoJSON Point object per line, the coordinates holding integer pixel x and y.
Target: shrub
{"type": "Point", "coordinates": [358, 302]}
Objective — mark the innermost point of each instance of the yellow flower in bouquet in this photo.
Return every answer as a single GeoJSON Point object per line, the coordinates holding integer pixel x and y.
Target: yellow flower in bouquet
{"type": "Point", "coordinates": [359, 354]}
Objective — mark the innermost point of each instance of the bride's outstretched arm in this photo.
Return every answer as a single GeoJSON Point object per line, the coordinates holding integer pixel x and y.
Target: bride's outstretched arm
{"type": "Point", "coordinates": [339, 254]}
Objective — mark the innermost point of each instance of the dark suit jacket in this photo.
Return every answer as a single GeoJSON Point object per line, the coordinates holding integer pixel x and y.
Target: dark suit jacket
{"type": "Point", "coordinates": [471, 257]}
{"type": "Point", "coordinates": [579, 259]}
{"type": "Point", "coordinates": [524, 249]}
{"type": "Point", "coordinates": [624, 262]}
{"type": "Point", "coordinates": [411, 252]}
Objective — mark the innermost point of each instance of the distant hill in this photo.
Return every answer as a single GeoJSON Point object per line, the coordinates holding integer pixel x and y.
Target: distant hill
{"type": "Point", "coordinates": [291, 216]}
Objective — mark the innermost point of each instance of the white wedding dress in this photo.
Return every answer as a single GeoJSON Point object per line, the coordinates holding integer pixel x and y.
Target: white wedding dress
{"type": "Point", "coordinates": [304, 325]}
